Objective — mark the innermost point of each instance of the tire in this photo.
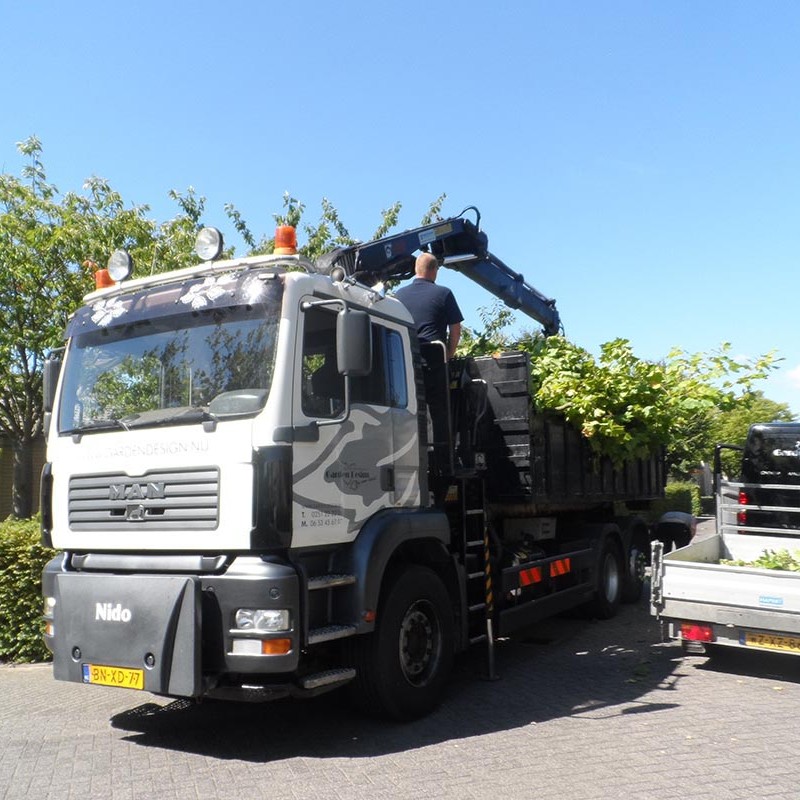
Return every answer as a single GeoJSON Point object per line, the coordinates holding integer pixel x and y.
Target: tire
{"type": "Point", "coordinates": [633, 582]}
{"type": "Point", "coordinates": [402, 668]}
{"type": "Point", "coordinates": [609, 581]}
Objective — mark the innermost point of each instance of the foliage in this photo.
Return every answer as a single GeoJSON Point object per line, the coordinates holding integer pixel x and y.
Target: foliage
{"type": "Point", "coordinates": [616, 401]}
{"type": "Point", "coordinates": [629, 407]}
{"type": "Point", "coordinates": [770, 559]}
{"type": "Point", "coordinates": [22, 559]}
{"type": "Point", "coordinates": [50, 245]}
{"type": "Point", "coordinates": [679, 496]}
{"type": "Point", "coordinates": [490, 338]}
{"type": "Point", "coordinates": [328, 233]}
{"type": "Point", "coordinates": [701, 386]}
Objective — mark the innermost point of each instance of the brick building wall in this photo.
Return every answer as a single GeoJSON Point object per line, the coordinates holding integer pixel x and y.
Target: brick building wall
{"type": "Point", "coordinates": [7, 473]}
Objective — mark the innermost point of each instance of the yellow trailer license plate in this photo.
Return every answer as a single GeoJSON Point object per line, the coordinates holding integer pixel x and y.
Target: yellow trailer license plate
{"type": "Point", "coordinates": [113, 676]}
{"type": "Point", "coordinates": [771, 641]}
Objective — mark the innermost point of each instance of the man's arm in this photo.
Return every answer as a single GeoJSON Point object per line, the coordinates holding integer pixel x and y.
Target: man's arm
{"type": "Point", "coordinates": [453, 335]}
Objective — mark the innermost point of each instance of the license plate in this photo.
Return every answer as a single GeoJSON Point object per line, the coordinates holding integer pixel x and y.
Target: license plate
{"type": "Point", "coordinates": [771, 641]}
{"type": "Point", "coordinates": [113, 676]}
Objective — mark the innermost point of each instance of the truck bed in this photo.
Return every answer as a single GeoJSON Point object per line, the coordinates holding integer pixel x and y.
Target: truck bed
{"type": "Point", "coordinates": [540, 459]}
{"type": "Point", "coordinates": [746, 606]}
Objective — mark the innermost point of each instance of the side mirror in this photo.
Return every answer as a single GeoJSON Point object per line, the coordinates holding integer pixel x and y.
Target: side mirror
{"type": "Point", "coordinates": [52, 368]}
{"type": "Point", "coordinates": [353, 343]}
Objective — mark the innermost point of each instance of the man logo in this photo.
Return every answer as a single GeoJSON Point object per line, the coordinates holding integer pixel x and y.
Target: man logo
{"type": "Point", "coordinates": [152, 490]}
{"type": "Point", "coordinates": [135, 513]}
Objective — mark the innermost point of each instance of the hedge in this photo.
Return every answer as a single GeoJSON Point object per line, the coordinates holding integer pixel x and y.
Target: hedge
{"type": "Point", "coordinates": [678, 496]}
{"type": "Point", "coordinates": [22, 559]}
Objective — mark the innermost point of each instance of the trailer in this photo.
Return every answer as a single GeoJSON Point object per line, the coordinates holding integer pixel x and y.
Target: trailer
{"type": "Point", "coordinates": [709, 595]}
{"type": "Point", "coordinates": [242, 488]}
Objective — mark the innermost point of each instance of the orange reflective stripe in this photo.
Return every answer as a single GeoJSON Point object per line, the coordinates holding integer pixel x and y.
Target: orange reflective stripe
{"type": "Point", "coordinates": [560, 567]}
{"type": "Point", "coordinates": [529, 576]}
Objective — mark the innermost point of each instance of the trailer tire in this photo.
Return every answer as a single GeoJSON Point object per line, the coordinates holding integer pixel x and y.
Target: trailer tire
{"type": "Point", "coordinates": [609, 581]}
{"type": "Point", "coordinates": [403, 666]}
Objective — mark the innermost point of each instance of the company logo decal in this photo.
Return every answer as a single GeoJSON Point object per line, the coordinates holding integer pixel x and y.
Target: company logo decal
{"type": "Point", "coordinates": [348, 477]}
{"type": "Point", "coordinates": [108, 612]}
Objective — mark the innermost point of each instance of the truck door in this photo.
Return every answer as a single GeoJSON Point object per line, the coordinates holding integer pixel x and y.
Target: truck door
{"type": "Point", "coordinates": [345, 470]}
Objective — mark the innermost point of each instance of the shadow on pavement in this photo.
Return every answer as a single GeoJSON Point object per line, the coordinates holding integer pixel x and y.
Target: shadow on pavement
{"type": "Point", "coordinates": [752, 663]}
{"type": "Point", "coordinates": [563, 668]}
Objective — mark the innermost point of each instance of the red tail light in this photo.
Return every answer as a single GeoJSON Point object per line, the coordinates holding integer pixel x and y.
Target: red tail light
{"type": "Point", "coordinates": [692, 632]}
{"type": "Point", "coordinates": [741, 516]}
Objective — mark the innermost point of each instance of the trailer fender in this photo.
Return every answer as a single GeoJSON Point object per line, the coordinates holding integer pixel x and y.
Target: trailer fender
{"type": "Point", "coordinates": [675, 529]}
{"type": "Point", "coordinates": [417, 535]}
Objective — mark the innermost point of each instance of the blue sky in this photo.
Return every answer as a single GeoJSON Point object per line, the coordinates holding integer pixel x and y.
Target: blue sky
{"type": "Point", "coordinates": [637, 161]}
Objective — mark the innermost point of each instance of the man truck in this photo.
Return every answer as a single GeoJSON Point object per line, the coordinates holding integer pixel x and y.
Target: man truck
{"type": "Point", "coordinates": [241, 486]}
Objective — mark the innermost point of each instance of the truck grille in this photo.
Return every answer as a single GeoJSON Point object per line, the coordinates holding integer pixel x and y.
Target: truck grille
{"type": "Point", "coordinates": [167, 500]}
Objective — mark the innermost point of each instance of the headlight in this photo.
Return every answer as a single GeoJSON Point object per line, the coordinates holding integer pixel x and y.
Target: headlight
{"type": "Point", "coordinates": [262, 619]}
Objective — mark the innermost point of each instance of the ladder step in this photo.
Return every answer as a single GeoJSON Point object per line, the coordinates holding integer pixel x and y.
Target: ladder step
{"type": "Point", "coordinates": [480, 638]}
{"type": "Point", "coordinates": [475, 543]}
{"type": "Point", "coordinates": [330, 632]}
{"type": "Point", "coordinates": [473, 575]}
{"type": "Point", "coordinates": [327, 678]}
{"type": "Point", "coordinates": [330, 581]}
{"type": "Point", "coordinates": [474, 512]}
{"type": "Point", "coordinates": [476, 607]}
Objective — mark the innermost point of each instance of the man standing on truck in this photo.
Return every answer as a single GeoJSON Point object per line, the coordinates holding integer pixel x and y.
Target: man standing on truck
{"type": "Point", "coordinates": [438, 319]}
{"type": "Point", "coordinates": [434, 308]}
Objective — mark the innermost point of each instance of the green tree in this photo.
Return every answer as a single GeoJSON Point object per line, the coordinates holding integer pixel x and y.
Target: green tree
{"type": "Point", "coordinates": [327, 233]}
{"type": "Point", "coordinates": [49, 246]}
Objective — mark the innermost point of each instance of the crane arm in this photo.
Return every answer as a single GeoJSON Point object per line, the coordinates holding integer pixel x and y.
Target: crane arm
{"type": "Point", "coordinates": [458, 244]}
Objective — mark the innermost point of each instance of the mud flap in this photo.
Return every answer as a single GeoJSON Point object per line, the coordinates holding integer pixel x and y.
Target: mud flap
{"type": "Point", "coordinates": [136, 623]}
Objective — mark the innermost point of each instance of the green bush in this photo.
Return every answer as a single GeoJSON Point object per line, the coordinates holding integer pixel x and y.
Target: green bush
{"type": "Point", "coordinates": [22, 559]}
{"type": "Point", "coordinates": [678, 496]}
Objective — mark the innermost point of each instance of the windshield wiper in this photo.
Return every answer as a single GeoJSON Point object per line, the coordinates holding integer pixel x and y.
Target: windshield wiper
{"type": "Point", "coordinates": [182, 415]}
{"type": "Point", "coordinates": [98, 425]}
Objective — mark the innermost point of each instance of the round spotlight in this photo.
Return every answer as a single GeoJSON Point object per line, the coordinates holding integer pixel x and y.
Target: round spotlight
{"type": "Point", "coordinates": [120, 265]}
{"type": "Point", "coordinates": [208, 244]}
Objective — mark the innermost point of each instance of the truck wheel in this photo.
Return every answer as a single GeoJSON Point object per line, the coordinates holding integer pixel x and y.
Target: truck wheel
{"type": "Point", "coordinates": [402, 668]}
{"type": "Point", "coordinates": [609, 581]}
{"type": "Point", "coordinates": [633, 582]}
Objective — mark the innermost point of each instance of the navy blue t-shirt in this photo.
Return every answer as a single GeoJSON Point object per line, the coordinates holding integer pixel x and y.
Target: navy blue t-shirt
{"type": "Point", "coordinates": [433, 308]}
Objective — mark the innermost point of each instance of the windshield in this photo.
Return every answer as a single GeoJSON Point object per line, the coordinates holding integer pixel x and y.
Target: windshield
{"type": "Point", "coordinates": [167, 369]}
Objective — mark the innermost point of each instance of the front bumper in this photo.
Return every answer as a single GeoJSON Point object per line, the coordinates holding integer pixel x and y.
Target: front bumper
{"type": "Point", "coordinates": [178, 629]}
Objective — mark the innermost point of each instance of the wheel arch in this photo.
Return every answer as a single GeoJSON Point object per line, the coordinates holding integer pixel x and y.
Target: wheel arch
{"type": "Point", "coordinates": [386, 543]}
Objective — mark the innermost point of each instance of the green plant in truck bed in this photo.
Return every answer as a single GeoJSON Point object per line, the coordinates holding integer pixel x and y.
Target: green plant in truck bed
{"type": "Point", "coordinates": [769, 559]}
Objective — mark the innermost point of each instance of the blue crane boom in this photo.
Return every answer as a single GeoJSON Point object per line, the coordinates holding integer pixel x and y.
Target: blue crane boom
{"type": "Point", "coordinates": [459, 244]}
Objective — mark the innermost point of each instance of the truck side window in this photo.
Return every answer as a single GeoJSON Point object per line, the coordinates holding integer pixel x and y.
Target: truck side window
{"type": "Point", "coordinates": [371, 389]}
{"type": "Point", "coordinates": [323, 386]}
{"type": "Point", "coordinates": [386, 383]}
{"type": "Point", "coordinates": [322, 392]}
{"type": "Point", "coordinates": [396, 370]}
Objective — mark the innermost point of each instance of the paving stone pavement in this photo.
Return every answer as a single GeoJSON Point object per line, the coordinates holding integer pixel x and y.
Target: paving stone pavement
{"type": "Point", "coordinates": [583, 710]}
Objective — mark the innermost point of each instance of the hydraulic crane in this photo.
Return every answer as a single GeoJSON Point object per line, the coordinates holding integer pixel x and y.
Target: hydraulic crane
{"type": "Point", "coordinates": [459, 244]}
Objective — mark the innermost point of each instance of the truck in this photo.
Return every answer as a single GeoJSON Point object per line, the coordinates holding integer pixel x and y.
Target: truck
{"type": "Point", "coordinates": [241, 487]}
{"type": "Point", "coordinates": [725, 591]}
